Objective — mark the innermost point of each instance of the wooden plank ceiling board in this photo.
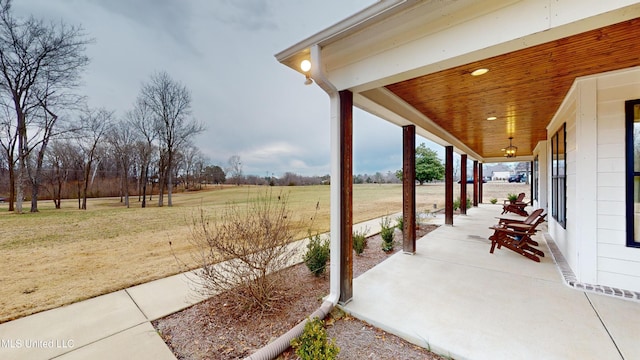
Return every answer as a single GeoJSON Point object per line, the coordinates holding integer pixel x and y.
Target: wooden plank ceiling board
{"type": "Point", "coordinates": [523, 89]}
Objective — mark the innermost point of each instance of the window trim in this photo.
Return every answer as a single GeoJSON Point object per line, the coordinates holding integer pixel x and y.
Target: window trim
{"type": "Point", "coordinates": [556, 178]}
{"type": "Point", "coordinates": [535, 178]}
{"type": "Point", "coordinates": [630, 171]}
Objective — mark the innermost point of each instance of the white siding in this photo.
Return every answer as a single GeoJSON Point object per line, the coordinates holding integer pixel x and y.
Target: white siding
{"type": "Point", "coordinates": [618, 265]}
{"type": "Point", "coordinates": [615, 251]}
{"type": "Point", "coordinates": [601, 256]}
{"type": "Point", "coordinates": [616, 208]}
{"type": "Point", "coordinates": [617, 280]}
{"type": "Point", "coordinates": [609, 236]}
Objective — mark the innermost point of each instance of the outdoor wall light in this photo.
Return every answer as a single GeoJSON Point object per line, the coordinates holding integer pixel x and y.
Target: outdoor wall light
{"type": "Point", "coordinates": [510, 151]}
{"type": "Point", "coordinates": [305, 66]}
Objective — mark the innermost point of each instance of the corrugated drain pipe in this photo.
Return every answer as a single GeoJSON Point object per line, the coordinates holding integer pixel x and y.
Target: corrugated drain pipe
{"type": "Point", "coordinates": [277, 347]}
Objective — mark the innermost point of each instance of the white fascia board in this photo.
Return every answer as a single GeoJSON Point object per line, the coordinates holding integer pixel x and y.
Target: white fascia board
{"type": "Point", "coordinates": [569, 11]}
{"type": "Point", "coordinates": [386, 59]}
{"type": "Point", "coordinates": [344, 28]}
{"type": "Point", "coordinates": [422, 36]}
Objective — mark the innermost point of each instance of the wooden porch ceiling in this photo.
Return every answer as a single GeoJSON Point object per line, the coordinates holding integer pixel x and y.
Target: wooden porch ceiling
{"type": "Point", "coordinates": [522, 89]}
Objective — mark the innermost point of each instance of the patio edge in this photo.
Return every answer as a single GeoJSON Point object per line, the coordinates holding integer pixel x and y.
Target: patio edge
{"type": "Point", "coordinates": [569, 277]}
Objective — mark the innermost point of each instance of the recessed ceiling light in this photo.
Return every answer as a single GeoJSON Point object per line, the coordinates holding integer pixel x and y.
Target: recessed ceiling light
{"type": "Point", "coordinates": [479, 72]}
{"type": "Point", "coordinates": [491, 118]}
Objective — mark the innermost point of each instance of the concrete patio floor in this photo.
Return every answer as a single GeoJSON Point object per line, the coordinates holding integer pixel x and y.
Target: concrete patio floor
{"type": "Point", "coordinates": [459, 300]}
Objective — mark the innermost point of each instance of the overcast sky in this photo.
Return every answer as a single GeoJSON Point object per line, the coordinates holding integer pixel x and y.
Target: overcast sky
{"type": "Point", "coordinates": [223, 51]}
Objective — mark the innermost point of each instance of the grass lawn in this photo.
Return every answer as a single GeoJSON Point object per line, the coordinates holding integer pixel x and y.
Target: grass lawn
{"type": "Point", "coordinates": [57, 257]}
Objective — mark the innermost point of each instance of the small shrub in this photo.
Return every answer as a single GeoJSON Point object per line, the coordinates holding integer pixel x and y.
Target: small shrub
{"type": "Point", "coordinates": [360, 240]}
{"type": "Point", "coordinates": [313, 344]}
{"type": "Point", "coordinates": [400, 223]}
{"type": "Point", "coordinates": [512, 197]}
{"type": "Point", "coordinates": [456, 204]}
{"type": "Point", "coordinates": [494, 200]}
{"type": "Point", "coordinates": [386, 232]}
{"type": "Point", "coordinates": [317, 254]}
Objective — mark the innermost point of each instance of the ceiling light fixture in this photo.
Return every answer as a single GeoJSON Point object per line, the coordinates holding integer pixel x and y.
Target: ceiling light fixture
{"type": "Point", "coordinates": [491, 118]}
{"type": "Point", "coordinates": [305, 66]}
{"type": "Point", "coordinates": [479, 72]}
{"type": "Point", "coordinates": [510, 151]}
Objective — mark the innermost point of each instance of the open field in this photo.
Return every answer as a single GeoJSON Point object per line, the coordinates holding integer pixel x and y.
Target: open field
{"type": "Point", "coordinates": [57, 257]}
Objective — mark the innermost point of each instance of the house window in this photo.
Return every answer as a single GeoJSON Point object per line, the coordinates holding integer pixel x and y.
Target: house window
{"type": "Point", "coordinates": [632, 111]}
{"type": "Point", "coordinates": [535, 178]}
{"type": "Point", "coordinates": [559, 176]}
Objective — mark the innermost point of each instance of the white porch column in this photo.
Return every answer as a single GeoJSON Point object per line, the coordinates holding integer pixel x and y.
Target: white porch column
{"type": "Point", "coordinates": [543, 177]}
{"type": "Point", "coordinates": [586, 185]}
{"type": "Point", "coordinates": [334, 196]}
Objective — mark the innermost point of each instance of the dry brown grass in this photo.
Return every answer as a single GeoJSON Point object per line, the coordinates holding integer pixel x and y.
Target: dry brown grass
{"type": "Point", "coordinates": [57, 257]}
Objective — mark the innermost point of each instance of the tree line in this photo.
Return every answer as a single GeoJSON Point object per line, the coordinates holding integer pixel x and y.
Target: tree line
{"type": "Point", "coordinates": [49, 134]}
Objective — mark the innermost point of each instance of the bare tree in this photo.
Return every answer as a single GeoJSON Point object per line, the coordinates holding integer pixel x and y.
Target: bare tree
{"type": "Point", "coordinates": [198, 169]}
{"type": "Point", "coordinates": [191, 158]}
{"type": "Point", "coordinates": [35, 167]}
{"type": "Point", "coordinates": [170, 103]}
{"type": "Point", "coordinates": [235, 168]}
{"type": "Point", "coordinates": [52, 96]}
{"type": "Point", "coordinates": [95, 125]}
{"type": "Point", "coordinates": [39, 63]}
{"type": "Point", "coordinates": [147, 154]}
{"type": "Point", "coordinates": [8, 141]}
{"type": "Point", "coordinates": [62, 159]}
{"type": "Point", "coordinates": [4, 173]}
{"type": "Point", "coordinates": [141, 119]}
{"type": "Point", "coordinates": [122, 138]}
{"type": "Point", "coordinates": [177, 168]}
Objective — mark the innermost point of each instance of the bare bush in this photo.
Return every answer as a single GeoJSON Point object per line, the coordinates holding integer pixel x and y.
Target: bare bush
{"type": "Point", "coordinates": [244, 250]}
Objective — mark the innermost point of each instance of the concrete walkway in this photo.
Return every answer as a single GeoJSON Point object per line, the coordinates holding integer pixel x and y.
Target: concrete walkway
{"type": "Point", "coordinates": [111, 326]}
{"type": "Point", "coordinates": [459, 300]}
